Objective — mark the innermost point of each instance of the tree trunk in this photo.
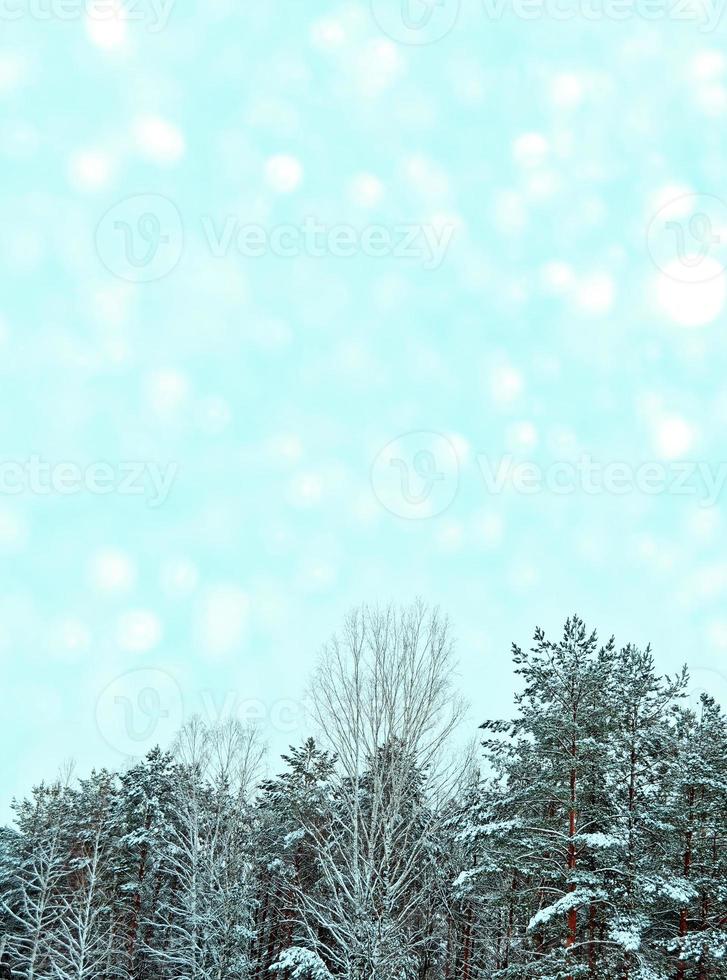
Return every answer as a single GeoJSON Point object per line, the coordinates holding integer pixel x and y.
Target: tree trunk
{"type": "Point", "coordinates": [572, 828]}
{"type": "Point", "coordinates": [683, 914]}
{"type": "Point", "coordinates": [467, 951]}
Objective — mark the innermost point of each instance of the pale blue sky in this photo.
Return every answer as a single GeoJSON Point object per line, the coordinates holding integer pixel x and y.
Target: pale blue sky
{"type": "Point", "coordinates": [248, 246]}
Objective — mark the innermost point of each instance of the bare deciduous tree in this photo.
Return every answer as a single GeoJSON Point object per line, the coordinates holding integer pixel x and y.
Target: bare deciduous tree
{"type": "Point", "coordinates": [205, 918]}
{"type": "Point", "coordinates": [383, 699]}
{"type": "Point", "coordinates": [35, 888]}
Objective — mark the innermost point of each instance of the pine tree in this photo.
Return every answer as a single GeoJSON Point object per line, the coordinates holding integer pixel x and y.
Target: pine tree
{"type": "Point", "coordinates": [642, 741]}
{"type": "Point", "coordinates": [301, 797]}
{"type": "Point", "coordinates": [549, 802]}
{"type": "Point", "coordinates": [699, 861]}
{"type": "Point", "coordinates": [146, 803]}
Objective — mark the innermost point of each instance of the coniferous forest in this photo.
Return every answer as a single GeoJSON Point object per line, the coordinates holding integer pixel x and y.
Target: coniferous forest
{"type": "Point", "coordinates": [584, 836]}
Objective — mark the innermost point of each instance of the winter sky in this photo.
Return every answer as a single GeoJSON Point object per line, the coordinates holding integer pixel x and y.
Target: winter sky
{"type": "Point", "coordinates": [300, 311]}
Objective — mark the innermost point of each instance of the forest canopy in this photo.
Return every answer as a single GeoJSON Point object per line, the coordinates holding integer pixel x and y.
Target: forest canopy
{"type": "Point", "coordinates": [585, 838]}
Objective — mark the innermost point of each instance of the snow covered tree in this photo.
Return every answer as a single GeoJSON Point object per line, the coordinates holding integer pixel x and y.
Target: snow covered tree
{"type": "Point", "coordinates": [698, 825]}
{"type": "Point", "coordinates": [383, 700]}
{"type": "Point", "coordinates": [574, 823]}
{"type": "Point", "coordinates": [298, 798]}
{"type": "Point", "coordinates": [34, 884]}
{"type": "Point", "coordinates": [146, 803]}
{"type": "Point", "coordinates": [202, 921]}
{"type": "Point", "coordinates": [80, 940]}
{"type": "Point", "coordinates": [549, 799]}
{"type": "Point", "coordinates": [591, 844]}
{"type": "Point", "coordinates": [643, 740]}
